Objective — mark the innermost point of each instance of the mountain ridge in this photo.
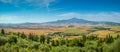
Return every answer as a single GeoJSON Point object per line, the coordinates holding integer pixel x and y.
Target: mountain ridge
{"type": "Point", "coordinates": [80, 21]}
{"type": "Point", "coordinates": [66, 22]}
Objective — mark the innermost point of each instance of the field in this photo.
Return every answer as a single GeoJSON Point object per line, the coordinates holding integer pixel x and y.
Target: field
{"type": "Point", "coordinates": [69, 31]}
{"type": "Point", "coordinates": [37, 32]}
{"type": "Point", "coordinates": [75, 31]}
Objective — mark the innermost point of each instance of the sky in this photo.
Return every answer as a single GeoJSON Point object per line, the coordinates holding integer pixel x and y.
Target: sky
{"type": "Point", "coordinates": [39, 11]}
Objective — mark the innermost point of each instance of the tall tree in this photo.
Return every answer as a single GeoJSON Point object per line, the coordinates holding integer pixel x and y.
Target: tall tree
{"type": "Point", "coordinates": [3, 31]}
{"type": "Point", "coordinates": [42, 39]}
{"type": "Point", "coordinates": [109, 39]}
{"type": "Point", "coordinates": [23, 35]}
{"type": "Point", "coordinates": [48, 39]}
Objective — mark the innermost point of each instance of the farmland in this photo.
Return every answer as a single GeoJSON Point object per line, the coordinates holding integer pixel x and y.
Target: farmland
{"type": "Point", "coordinates": [70, 31]}
{"type": "Point", "coordinates": [78, 39]}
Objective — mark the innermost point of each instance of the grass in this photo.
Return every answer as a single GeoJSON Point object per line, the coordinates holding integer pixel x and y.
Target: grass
{"type": "Point", "coordinates": [75, 31]}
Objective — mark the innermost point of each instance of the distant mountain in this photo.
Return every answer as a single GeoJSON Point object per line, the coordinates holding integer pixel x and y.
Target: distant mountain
{"type": "Point", "coordinates": [80, 21]}
{"type": "Point", "coordinates": [71, 21]}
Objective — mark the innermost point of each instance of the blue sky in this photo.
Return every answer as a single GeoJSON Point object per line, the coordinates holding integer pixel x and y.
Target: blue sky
{"type": "Point", "coordinates": [20, 11]}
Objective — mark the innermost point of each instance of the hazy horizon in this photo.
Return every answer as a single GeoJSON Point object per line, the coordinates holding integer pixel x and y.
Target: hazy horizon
{"type": "Point", "coordinates": [55, 21]}
{"type": "Point", "coordinates": [39, 11]}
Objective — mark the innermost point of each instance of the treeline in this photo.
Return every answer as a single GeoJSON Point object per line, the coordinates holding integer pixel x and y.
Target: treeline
{"type": "Point", "coordinates": [21, 42]}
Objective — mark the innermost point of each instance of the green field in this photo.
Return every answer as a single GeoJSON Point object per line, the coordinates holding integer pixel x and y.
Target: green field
{"type": "Point", "coordinates": [75, 31]}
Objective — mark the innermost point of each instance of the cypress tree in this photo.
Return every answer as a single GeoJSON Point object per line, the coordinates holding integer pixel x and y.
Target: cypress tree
{"type": "Point", "coordinates": [3, 31]}
{"type": "Point", "coordinates": [42, 39]}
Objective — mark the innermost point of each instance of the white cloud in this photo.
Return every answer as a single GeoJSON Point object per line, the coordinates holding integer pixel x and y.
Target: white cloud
{"type": "Point", "coordinates": [8, 18]}
{"type": "Point", "coordinates": [43, 3]}
{"type": "Point", "coordinates": [103, 16]}
{"type": "Point", "coordinates": [21, 19]}
{"type": "Point", "coordinates": [71, 14]}
{"type": "Point", "coordinates": [6, 1]}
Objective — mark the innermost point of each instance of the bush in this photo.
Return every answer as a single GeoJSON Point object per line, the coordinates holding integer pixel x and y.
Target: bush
{"type": "Point", "coordinates": [3, 40]}
{"type": "Point", "coordinates": [12, 39]}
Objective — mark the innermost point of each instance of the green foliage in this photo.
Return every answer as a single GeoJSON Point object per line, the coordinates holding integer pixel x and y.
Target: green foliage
{"type": "Point", "coordinates": [32, 37]}
{"type": "Point", "coordinates": [92, 37]}
{"type": "Point", "coordinates": [42, 39]}
{"type": "Point", "coordinates": [66, 49]}
{"type": "Point", "coordinates": [20, 42]}
{"type": "Point", "coordinates": [22, 35]}
{"type": "Point", "coordinates": [3, 40]}
{"type": "Point", "coordinates": [109, 39]}
{"type": "Point", "coordinates": [84, 38]}
{"type": "Point", "coordinates": [12, 39]}
{"type": "Point", "coordinates": [102, 28]}
{"type": "Point", "coordinates": [118, 36]}
{"type": "Point", "coordinates": [48, 40]}
{"type": "Point", "coordinates": [55, 43]}
{"type": "Point", "coordinates": [2, 31]}
{"type": "Point", "coordinates": [74, 32]}
{"type": "Point", "coordinates": [91, 46]}
{"type": "Point", "coordinates": [114, 47]}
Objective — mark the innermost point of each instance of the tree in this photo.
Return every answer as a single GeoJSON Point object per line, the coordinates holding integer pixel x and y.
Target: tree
{"type": "Point", "coordinates": [113, 47]}
{"type": "Point", "coordinates": [3, 31]}
{"type": "Point", "coordinates": [23, 36]}
{"type": "Point", "coordinates": [91, 46]}
{"type": "Point", "coordinates": [42, 39]}
{"type": "Point", "coordinates": [55, 43]}
{"type": "Point", "coordinates": [30, 36]}
{"type": "Point", "coordinates": [48, 39]}
{"type": "Point", "coordinates": [12, 39]}
{"type": "Point", "coordinates": [35, 38]}
{"type": "Point", "coordinates": [118, 36]}
{"type": "Point", "coordinates": [92, 37]}
{"type": "Point", "coordinates": [62, 42]}
{"type": "Point", "coordinates": [109, 39]}
{"type": "Point", "coordinates": [84, 38]}
{"type": "Point", "coordinates": [3, 40]}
